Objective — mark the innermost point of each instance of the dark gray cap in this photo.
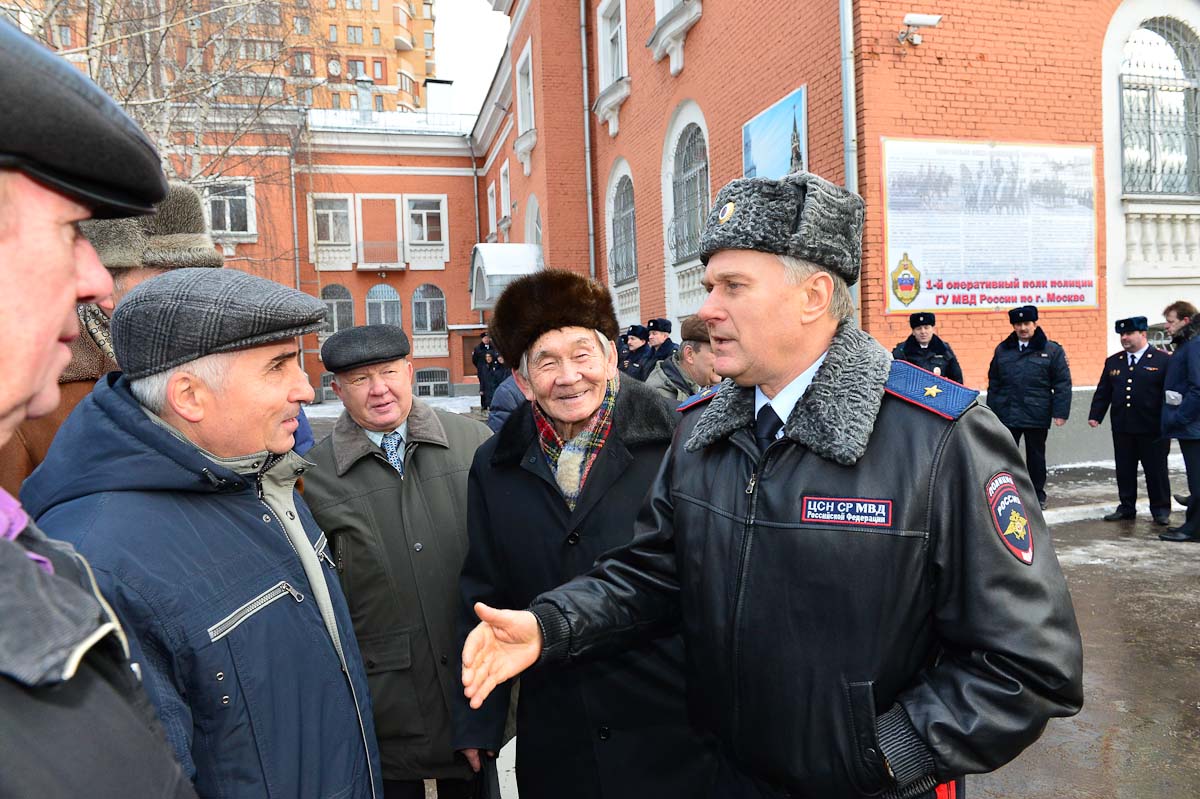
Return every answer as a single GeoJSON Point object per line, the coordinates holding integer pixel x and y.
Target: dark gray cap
{"type": "Point", "coordinates": [186, 314]}
{"type": "Point", "coordinates": [363, 346]}
{"type": "Point", "coordinates": [61, 130]}
{"type": "Point", "coordinates": [801, 215]}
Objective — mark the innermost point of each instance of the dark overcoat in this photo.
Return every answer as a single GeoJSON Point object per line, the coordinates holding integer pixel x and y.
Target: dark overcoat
{"type": "Point", "coordinates": [1135, 393]}
{"type": "Point", "coordinates": [1027, 388]}
{"type": "Point", "coordinates": [1181, 388]}
{"type": "Point", "coordinates": [615, 728]}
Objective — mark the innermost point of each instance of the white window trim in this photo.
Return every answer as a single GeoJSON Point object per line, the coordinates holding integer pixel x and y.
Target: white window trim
{"type": "Point", "coordinates": [525, 121]}
{"type": "Point", "coordinates": [360, 244]}
{"type": "Point", "coordinates": [491, 203]}
{"type": "Point", "coordinates": [532, 213]}
{"type": "Point", "coordinates": [670, 31]}
{"type": "Point", "coordinates": [505, 221]}
{"type": "Point", "coordinates": [337, 264]}
{"type": "Point", "coordinates": [412, 309]}
{"type": "Point", "coordinates": [251, 234]}
{"type": "Point", "coordinates": [606, 73]}
{"type": "Point", "coordinates": [687, 113]}
{"type": "Point", "coordinates": [445, 212]}
{"type": "Point", "coordinates": [620, 169]}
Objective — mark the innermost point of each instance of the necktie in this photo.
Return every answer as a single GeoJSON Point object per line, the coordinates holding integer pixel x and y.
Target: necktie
{"type": "Point", "coordinates": [1023, 347]}
{"type": "Point", "coordinates": [766, 426]}
{"type": "Point", "coordinates": [1132, 360]}
{"type": "Point", "coordinates": [393, 450]}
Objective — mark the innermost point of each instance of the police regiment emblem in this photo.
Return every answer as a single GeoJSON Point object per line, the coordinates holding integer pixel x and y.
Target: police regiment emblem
{"type": "Point", "coordinates": [906, 281]}
{"type": "Point", "coordinates": [1009, 516]}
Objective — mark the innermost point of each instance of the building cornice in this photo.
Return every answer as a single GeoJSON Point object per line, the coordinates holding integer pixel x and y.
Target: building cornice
{"type": "Point", "coordinates": [671, 31]}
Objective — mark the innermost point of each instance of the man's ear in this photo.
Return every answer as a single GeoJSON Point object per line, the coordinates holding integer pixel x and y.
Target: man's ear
{"type": "Point", "coordinates": [523, 384]}
{"type": "Point", "coordinates": [817, 291]}
{"type": "Point", "coordinates": [337, 388]}
{"type": "Point", "coordinates": [188, 397]}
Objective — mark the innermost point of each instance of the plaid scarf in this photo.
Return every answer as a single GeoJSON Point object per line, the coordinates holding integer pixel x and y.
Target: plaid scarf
{"type": "Point", "coordinates": [571, 461]}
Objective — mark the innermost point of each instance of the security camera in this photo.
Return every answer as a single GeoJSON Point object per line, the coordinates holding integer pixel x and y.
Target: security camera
{"type": "Point", "coordinates": [914, 21]}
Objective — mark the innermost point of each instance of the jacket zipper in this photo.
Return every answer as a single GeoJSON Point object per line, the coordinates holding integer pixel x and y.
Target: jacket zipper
{"type": "Point", "coordinates": [228, 624]}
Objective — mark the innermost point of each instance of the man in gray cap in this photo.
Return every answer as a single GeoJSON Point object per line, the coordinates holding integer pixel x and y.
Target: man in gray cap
{"type": "Point", "coordinates": [690, 367]}
{"type": "Point", "coordinates": [389, 490]}
{"type": "Point", "coordinates": [187, 508]}
{"type": "Point", "coordinates": [132, 250]}
{"type": "Point", "coordinates": [74, 720]}
{"type": "Point", "coordinates": [850, 633]}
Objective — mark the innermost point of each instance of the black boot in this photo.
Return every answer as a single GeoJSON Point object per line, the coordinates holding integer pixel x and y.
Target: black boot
{"type": "Point", "coordinates": [1178, 534]}
{"type": "Point", "coordinates": [1119, 516]}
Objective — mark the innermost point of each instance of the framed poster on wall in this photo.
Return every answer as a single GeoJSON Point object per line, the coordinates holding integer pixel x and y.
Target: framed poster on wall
{"type": "Point", "coordinates": [775, 141]}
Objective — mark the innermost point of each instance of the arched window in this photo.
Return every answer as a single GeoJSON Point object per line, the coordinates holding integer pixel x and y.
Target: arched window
{"type": "Point", "coordinates": [383, 305]}
{"type": "Point", "coordinates": [429, 309]}
{"type": "Point", "coordinates": [533, 222]}
{"type": "Point", "coordinates": [689, 183]}
{"type": "Point", "coordinates": [623, 257]}
{"type": "Point", "coordinates": [341, 307]}
{"type": "Point", "coordinates": [1160, 109]}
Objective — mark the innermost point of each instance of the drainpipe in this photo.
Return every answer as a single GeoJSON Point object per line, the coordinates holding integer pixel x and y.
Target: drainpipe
{"type": "Point", "coordinates": [587, 141]}
{"type": "Point", "coordinates": [849, 107]}
{"type": "Point", "coordinates": [296, 226]}
{"type": "Point", "coordinates": [475, 184]}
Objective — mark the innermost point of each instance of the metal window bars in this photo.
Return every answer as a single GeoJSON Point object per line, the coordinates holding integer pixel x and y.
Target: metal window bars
{"type": "Point", "coordinates": [690, 190]}
{"type": "Point", "coordinates": [622, 261]}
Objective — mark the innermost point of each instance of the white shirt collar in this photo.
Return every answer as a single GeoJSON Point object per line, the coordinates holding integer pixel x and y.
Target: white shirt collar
{"type": "Point", "coordinates": [377, 438]}
{"type": "Point", "coordinates": [1138, 355]}
{"type": "Point", "coordinates": [786, 400]}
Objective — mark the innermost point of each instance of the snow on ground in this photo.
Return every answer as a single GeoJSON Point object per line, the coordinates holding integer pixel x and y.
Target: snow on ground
{"type": "Point", "coordinates": [331, 409]}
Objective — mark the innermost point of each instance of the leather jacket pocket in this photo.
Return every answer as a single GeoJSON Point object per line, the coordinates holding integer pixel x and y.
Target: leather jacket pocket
{"type": "Point", "coordinates": [867, 770]}
{"type": "Point", "coordinates": [388, 660]}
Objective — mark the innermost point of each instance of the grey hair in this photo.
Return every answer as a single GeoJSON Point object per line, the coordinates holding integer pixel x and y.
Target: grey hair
{"type": "Point", "coordinates": [212, 370]}
{"type": "Point", "coordinates": [605, 347]}
{"type": "Point", "coordinates": [841, 305]}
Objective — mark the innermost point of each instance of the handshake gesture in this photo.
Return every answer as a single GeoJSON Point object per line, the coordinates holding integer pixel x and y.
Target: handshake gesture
{"type": "Point", "coordinates": [504, 644]}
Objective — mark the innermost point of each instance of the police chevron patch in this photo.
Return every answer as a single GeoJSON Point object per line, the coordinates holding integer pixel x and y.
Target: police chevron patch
{"type": "Point", "coordinates": [1009, 516]}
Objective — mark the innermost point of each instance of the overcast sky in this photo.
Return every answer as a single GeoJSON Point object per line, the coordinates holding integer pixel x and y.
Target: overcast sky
{"type": "Point", "coordinates": [470, 40]}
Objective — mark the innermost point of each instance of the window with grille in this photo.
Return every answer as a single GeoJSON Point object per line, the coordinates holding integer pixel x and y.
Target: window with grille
{"type": "Point", "coordinates": [425, 221]}
{"type": "Point", "coordinates": [340, 307]}
{"type": "Point", "coordinates": [332, 220]}
{"type": "Point", "coordinates": [383, 305]}
{"type": "Point", "coordinates": [689, 185]}
{"type": "Point", "coordinates": [623, 258]}
{"type": "Point", "coordinates": [327, 392]}
{"type": "Point", "coordinates": [1160, 109]}
{"type": "Point", "coordinates": [429, 310]}
{"type": "Point", "coordinates": [432, 382]}
{"type": "Point", "coordinates": [228, 208]}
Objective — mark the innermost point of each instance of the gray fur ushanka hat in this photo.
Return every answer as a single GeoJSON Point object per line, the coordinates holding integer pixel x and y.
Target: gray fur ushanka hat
{"type": "Point", "coordinates": [801, 215]}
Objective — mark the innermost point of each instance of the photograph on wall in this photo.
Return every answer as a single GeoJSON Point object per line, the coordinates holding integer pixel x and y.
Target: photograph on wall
{"type": "Point", "coordinates": [775, 142]}
{"type": "Point", "coordinates": [983, 225]}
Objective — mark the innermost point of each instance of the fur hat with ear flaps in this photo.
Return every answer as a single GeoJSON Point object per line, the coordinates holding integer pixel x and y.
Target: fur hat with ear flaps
{"type": "Point", "coordinates": [177, 234]}
{"type": "Point", "coordinates": [545, 301]}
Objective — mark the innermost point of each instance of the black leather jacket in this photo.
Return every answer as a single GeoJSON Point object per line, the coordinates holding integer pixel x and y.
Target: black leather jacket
{"type": "Point", "coordinates": [870, 605]}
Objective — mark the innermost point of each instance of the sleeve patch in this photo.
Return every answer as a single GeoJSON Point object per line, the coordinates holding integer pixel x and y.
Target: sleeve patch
{"type": "Point", "coordinates": [1009, 516]}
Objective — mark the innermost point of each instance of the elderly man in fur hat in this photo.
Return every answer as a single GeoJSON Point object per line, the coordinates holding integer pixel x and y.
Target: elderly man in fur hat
{"type": "Point", "coordinates": [132, 250]}
{"type": "Point", "coordinates": [556, 487]}
{"type": "Point", "coordinates": [850, 632]}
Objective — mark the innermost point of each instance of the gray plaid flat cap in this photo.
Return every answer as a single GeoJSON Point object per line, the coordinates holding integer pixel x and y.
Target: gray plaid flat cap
{"type": "Point", "coordinates": [363, 346]}
{"type": "Point", "coordinates": [186, 314]}
{"type": "Point", "coordinates": [801, 215]}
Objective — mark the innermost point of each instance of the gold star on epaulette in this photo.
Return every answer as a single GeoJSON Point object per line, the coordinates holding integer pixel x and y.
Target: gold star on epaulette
{"type": "Point", "coordinates": [933, 391]}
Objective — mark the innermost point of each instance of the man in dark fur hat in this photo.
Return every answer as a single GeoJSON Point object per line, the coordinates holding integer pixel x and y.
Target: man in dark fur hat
{"type": "Point", "coordinates": [556, 487]}
{"type": "Point", "coordinates": [849, 632]}
{"type": "Point", "coordinates": [924, 348]}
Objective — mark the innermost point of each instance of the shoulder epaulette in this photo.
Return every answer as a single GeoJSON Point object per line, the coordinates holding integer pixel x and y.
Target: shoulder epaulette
{"type": "Point", "coordinates": [698, 399]}
{"type": "Point", "coordinates": [932, 392]}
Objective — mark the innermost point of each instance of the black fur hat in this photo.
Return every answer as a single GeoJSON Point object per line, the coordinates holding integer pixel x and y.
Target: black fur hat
{"type": "Point", "coordinates": [548, 300]}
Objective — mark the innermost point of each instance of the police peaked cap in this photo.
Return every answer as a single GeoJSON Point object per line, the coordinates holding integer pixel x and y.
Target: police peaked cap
{"type": "Point", "coordinates": [1026, 313]}
{"type": "Point", "coordinates": [921, 318]}
{"type": "Point", "coordinates": [1131, 324]}
{"type": "Point", "coordinates": [60, 129]}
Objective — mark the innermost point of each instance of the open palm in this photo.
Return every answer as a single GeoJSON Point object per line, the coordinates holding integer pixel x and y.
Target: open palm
{"type": "Point", "coordinates": [502, 645]}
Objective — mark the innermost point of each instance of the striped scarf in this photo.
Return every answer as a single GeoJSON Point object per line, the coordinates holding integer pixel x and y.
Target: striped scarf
{"type": "Point", "coordinates": [571, 461]}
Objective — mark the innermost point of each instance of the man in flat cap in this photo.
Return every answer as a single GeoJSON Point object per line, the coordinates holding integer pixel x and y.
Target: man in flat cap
{"type": "Point", "coordinates": [556, 487]}
{"type": "Point", "coordinates": [1029, 385]}
{"type": "Point", "coordinates": [187, 508]}
{"type": "Point", "coordinates": [639, 351]}
{"type": "Point", "coordinates": [690, 368]}
{"type": "Point", "coordinates": [662, 347]}
{"type": "Point", "coordinates": [390, 491]}
{"type": "Point", "coordinates": [925, 349]}
{"type": "Point", "coordinates": [132, 250]}
{"type": "Point", "coordinates": [1132, 385]}
{"type": "Point", "coordinates": [849, 632]}
{"type": "Point", "coordinates": [74, 719]}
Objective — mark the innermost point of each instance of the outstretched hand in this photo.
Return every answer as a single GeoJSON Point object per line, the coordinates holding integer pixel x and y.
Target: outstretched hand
{"type": "Point", "coordinates": [504, 644]}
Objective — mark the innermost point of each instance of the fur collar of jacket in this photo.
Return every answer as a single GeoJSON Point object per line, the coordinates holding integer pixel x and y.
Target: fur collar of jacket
{"type": "Point", "coordinates": [1038, 342]}
{"type": "Point", "coordinates": [936, 346]}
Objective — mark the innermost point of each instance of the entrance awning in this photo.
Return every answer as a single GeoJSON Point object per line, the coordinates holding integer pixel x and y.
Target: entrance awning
{"type": "Point", "coordinates": [494, 266]}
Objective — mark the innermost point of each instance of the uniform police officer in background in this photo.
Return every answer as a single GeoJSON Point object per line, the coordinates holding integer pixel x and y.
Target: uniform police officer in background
{"type": "Point", "coordinates": [849, 632]}
{"type": "Point", "coordinates": [74, 719]}
{"type": "Point", "coordinates": [1029, 384]}
{"type": "Point", "coordinates": [1132, 385]}
{"type": "Point", "coordinates": [662, 348]}
{"type": "Point", "coordinates": [925, 349]}
{"type": "Point", "coordinates": [639, 351]}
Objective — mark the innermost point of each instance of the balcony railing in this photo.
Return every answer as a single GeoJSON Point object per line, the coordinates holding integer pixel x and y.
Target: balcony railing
{"type": "Point", "coordinates": [390, 121]}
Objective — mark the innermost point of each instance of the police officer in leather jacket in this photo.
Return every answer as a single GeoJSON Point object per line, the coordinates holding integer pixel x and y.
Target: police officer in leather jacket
{"type": "Point", "coordinates": [851, 630]}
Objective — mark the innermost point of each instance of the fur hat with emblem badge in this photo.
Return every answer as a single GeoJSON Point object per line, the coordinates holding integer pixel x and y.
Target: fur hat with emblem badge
{"type": "Point", "coordinates": [548, 300]}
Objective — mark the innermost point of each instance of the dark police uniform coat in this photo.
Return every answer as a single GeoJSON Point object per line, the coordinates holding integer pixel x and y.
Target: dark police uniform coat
{"type": "Point", "coordinates": [1028, 388]}
{"type": "Point", "coordinates": [836, 610]}
{"type": "Point", "coordinates": [1135, 394]}
{"type": "Point", "coordinates": [937, 357]}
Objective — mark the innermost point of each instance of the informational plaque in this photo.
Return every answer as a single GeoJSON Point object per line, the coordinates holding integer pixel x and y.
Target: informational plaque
{"type": "Point", "coordinates": [982, 225]}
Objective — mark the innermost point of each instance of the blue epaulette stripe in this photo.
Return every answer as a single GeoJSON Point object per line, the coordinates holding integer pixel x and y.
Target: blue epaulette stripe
{"type": "Point", "coordinates": [912, 383]}
{"type": "Point", "coordinates": [696, 399]}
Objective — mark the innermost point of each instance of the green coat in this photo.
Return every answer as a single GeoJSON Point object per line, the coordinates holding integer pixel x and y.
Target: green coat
{"type": "Point", "coordinates": [399, 545]}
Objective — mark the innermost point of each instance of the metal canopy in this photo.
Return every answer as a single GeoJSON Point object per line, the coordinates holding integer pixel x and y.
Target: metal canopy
{"type": "Point", "coordinates": [494, 266]}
